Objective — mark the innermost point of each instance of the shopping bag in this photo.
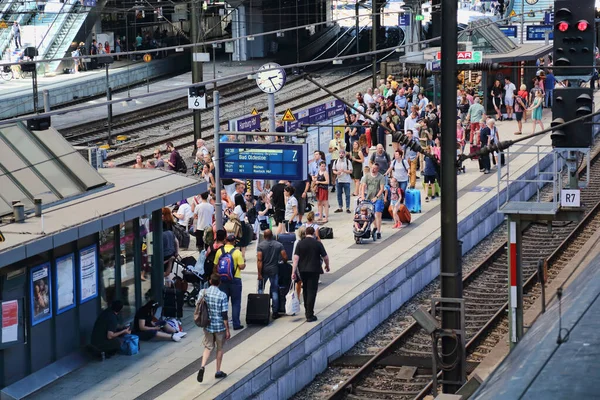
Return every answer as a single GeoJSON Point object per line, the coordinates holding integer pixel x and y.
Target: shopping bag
{"type": "Point", "coordinates": [292, 304]}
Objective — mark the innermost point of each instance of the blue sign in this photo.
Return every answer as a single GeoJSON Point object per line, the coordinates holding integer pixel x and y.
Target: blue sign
{"type": "Point", "coordinates": [89, 3]}
{"type": "Point", "coordinates": [509, 30]}
{"type": "Point", "coordinates": [538, 32]}
{"type": "Point", "coordinates": [404, 20]}
{"type": "Point", "coordinates": [246, 124]}
{"type": "Point", "coordinates": [263, 161]}
{"type": "Point", "coordinates": [317, 114]}
{"type": "Point", "coordinates": [549, 18]}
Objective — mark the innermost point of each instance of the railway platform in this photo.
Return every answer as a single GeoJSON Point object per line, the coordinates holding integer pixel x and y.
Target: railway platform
{"type": "Point", "coordinates": [367, 284]}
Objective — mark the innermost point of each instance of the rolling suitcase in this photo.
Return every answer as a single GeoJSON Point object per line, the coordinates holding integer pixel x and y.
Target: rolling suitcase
{"type": "Point", "coordinates": [258, 309]}
{"type": "Point", "coordinates": [287, 240]}
{"type": "Point", "coordinates": [285, 280]}
{"type": "Point", "coordinates": [413, 200]}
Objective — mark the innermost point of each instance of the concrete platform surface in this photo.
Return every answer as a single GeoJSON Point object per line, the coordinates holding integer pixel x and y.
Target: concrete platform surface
{"type": "Point", "coordinates": [367, 283]}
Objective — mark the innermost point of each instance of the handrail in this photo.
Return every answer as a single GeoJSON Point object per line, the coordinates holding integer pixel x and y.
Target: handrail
{"type": "Point", "coordinates": [345, 49]}
{"type": "Point", "coordinates": [334, 43]}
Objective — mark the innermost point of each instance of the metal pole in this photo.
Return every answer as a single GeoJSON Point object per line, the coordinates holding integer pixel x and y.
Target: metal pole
{"type": "Point", "coordinates": [214, 64]}
{"type": "Point", "coordinates": [35, 88]}
{"type": "Point", "coordinates": [409, 49]}
{"type": "Point", "coordinates": [374, 25]}
{"type": "Point", "coordinates": [522, 20]}
{"type": "Point", "coordinates": [147, 79]}
{"type": "Point", "coordinates": [271, 111]}
{"type": "Point", "coordinates": [109, 119]}
{"type": "Point", "coordinates": [515, 278]}
{"type": "Point", "coordinates": [542, 280]}
{"type": "Point", "coordinates": [217, 126]}
{"type": "Point", "coordinates": [356, 7]}
{"type": "Point", "coordinates": [46, 94]}
{"type": "Point", "coordinates": [297, 35]}
{"type": "Point", "coordinates": [451, 273]}
{"type": "Point", "coordinates": [196, 69]}
{"type": "Point", "coordinates": [572, 167]}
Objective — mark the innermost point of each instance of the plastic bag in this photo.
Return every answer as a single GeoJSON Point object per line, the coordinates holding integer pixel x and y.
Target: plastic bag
{"type": "Point", "coordinates": [130, 345]}
{"type": "Point", "coordinates": [292, 304]}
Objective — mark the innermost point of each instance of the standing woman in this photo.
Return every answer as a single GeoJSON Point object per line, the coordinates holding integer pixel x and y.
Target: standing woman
{"type": "Point", "coordinates": [208, 176]}
{"type": "Point", "coordinates": [536, 109]}
{"type": "Point", "coordinates": [357, 159]}
{"type": "Point", "coordinates": [168, 219]}
{"type": "Point", "coordinates": [496, 94]}
{"type": "Point", "coordinates": [322, 182]}
{"type": "Point", "coordinates": [107, 47]}
{"type": "Point", "coordinates": [118, 48]}
{"type": "Point", "coordinates": [291, 208]}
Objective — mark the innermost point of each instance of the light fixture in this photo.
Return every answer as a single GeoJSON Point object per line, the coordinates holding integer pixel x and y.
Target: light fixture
{"type": "Point", "coordinates": [280, 34]}
{"type": "Point", "coordinates": [338, 62]}
{"type": "Point", "coordinates": [250, 38]}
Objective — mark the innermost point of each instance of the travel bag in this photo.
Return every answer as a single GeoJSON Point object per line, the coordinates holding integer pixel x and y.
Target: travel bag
{"type": "Point", "coordinates": [413, 200]}
{"type": "Point", "coordinates": [326, 232]}
{"type": "Point", "coordinates": [258, 309]}
{"type": "Point", "coordinates": [287, 240]}
{"type": "Point", "coordinates": [130, 345]}
{"type": "Point", "coordinates": [403, 213]}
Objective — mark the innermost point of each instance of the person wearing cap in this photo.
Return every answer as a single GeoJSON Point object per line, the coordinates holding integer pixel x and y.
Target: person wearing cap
{"type": "Point", "coordinates": [106, 333]}
{"type": "Point", "coordinates": [232, 289]}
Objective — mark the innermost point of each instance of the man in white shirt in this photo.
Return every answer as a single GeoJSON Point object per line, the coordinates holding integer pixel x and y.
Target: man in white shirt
{"type": "Point", "coordinates": [423, 101]}
{"type": "Point", "coordinates": [204, 215]}
{"type": "Point", "coordinates": [184, 213]}
{"type": "Point", "coordinates": [342, 168]}
{"type": "Point", "coordinates": [411, 121]}
{"type": "Point", "coordinates": [368, 97]}
{"type": "Point", "coordinates": [509, 97]}
{"type": "Point", "coordinates": [202, 150]}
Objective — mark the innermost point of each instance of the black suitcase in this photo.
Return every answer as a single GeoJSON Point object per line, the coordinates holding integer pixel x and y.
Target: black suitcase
{"type": "Point", "coordinates": [258, 309]}
{"type": "Point", "coordinates": [287, 240]}
{"type": "Point", "coordinates": [285, 275]}
{"type": "Point", "coordinates": [283, 291]}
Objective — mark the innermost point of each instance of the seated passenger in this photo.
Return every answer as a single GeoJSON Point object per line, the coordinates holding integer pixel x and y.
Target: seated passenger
{"type": "Point", "coordinates": [145, 326]}
{"type": "Point", "coordinates": [105, 335]}
{"type": "Point", "coordinates": [361, 221]}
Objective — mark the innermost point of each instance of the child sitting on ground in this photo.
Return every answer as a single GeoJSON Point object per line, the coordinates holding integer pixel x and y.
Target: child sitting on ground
{"type": "Point", "coordinates": [361, 220]}
{"type": "Point", "coordinates": [396, 199]}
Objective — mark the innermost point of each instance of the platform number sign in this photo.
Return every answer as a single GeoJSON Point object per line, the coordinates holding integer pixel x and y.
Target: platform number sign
{"type": "Point", "coordinates": [196, 99]}
{"type": "Point", "coordinates": [570, 198]}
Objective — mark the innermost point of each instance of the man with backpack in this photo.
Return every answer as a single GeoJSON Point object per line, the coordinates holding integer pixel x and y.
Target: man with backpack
{"type": "Point", "coordinates": [217, 331]}
{"type": "Point", "coordinates": [175, 161]}
{"type": "Point", "coordinates": [229, 264]}
{"type": "Point", "coordinates": [342, 168]}
{"type": "Point", "coordinates": [380, 157]}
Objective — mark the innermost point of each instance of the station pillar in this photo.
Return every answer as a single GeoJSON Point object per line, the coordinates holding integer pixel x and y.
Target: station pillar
{"type": "Point", "coordinates": [239, 29]}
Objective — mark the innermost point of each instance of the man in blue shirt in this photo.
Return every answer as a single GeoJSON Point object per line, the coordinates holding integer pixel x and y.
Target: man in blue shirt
{"type": "Point", "coordinates": [217, 332]}
{"type": "Point", "coordinates": [549, 84]}
{"type": "Point", "coordinates": [400, 100]}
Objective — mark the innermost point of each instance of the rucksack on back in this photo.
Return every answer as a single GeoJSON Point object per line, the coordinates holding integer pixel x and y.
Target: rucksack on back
{"type": "Point", "coordinates": [208, 236]}
{"type": "Point", "coordinates": [180, 165]}
{"type": "Point", "coordinates": [226, 265]}
{"type": "Point", "coordinates": [234, 226]}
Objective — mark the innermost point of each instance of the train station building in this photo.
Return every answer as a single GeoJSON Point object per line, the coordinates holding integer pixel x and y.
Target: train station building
{"type": "Point", "coordinates": [75, 238]}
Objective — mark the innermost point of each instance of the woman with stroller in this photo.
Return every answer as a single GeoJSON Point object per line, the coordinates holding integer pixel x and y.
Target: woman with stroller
{"type": "Point", "coordinates": [321, 181]}
{"type": "Point", "coordinates": [146, 327]}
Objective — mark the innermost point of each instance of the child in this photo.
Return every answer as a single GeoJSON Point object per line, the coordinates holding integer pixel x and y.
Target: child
{"type": "Point", "coordinates": [361, 220]}
{"type": "Point", "coordinates": [396, 199]}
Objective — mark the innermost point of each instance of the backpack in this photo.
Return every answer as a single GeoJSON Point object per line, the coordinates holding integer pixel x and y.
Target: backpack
{"type": "Point", "coordinates": [201, 317]}
{"type": "Point", "coordinates": [208, 236]}
{"type": "Point", "coordinates": [387, 157]}
{"type": "Point", "coordinates": [234, 226]}
{"type": "Point", "coordinates": [403, 164]}
{"type": "Point", "coordinates": [226, 266]}
{"type": "Point", "coordinates": [130, 345]}
{"type": "Point", "coordinates": [180, 165]}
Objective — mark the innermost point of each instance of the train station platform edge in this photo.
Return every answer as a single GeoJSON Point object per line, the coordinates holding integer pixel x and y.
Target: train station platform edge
{"type": "Point", "coordinates": [368, 282]}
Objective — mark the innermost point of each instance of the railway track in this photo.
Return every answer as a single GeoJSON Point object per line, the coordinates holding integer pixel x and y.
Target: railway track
{"type": "Point", "coordinates": [486, 301]}
{"type": "Point", "coordinates": [296, 97]}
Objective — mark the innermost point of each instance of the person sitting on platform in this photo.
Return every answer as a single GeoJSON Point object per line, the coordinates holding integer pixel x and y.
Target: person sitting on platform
{"type": "Point", "coordinates": [147, 327]}
{"type": "Point", "coordinates": [106, 333]}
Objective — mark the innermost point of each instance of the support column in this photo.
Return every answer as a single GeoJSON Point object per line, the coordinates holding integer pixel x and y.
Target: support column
{"type": "Point", "coordinates": [238, 29]}
{"type": "Point", "coordinates": [196, 35]}
{"type": "Point", "coordinates": [451, 273]}
{"type": "Point", "coordinates": [158, 267]}
{"type": "Point", "coordinates": [375, 17]}
{"type": "Point", "coordinates": [515, 278]}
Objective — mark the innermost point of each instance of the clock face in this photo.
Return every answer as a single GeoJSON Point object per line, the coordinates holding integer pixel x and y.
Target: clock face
{"type": "Point", "coordinates": [270, 81]}
{"type": "Point", "coordinates": [531, 2]}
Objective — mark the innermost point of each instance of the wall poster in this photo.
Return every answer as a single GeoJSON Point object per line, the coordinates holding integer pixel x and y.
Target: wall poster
{"type": "Point", "coordinates": [10, 321]}
{"type": "Point", "coordinates": [65, 283]}
{"type": "Point", "coordinates": [88, 274]}
{"type": "Point", "coordinates": [41, 300]}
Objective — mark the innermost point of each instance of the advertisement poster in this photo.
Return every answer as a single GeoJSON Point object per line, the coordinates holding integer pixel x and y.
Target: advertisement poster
{"type": "Point", "coordinates": [41, 300]}
{"type": "Point", "coordinates": [88, 268]}
{"type": "Point", "coordinates": [65, 283]}
{"type": "Point", "coordinates": [10, 321]}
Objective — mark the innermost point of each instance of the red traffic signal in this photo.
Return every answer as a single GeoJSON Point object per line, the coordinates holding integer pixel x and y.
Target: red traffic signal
{"type": "Point", "coordinates": [582, 25]}
{"type": "Point", "coordinates": [563, 26]}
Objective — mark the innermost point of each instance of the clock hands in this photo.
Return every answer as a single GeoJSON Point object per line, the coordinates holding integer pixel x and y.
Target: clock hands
{"type": "Point", "coordinates": [271, 79]}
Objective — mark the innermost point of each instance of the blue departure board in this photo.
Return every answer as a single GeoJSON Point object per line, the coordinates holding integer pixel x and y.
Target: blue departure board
{"type": "Point", "coordinates": [263, 161]}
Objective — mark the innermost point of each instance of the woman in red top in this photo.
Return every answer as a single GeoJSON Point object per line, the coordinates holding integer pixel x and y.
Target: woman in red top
{"type": "Point", "coordinates": [523, 94]}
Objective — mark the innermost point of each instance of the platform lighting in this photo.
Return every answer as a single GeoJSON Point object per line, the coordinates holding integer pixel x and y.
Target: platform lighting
{"type": "Point", "coordinates": [280, 34]}
{"type": "Point", "coordinates": [338, 62]}
{"type": "Point", "coordinates": [250, 38]}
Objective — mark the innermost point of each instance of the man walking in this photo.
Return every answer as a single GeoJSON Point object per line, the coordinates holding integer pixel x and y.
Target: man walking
{"type": "Point", "coordinates": [342, 170]}
{"type": "Point", "coordinates": [372, 187]}
{"type": "Point", "coordinates": [411, 156]}
{"type": "Point", "coordinates": [232, 288]}
{"type": "Point", "coordinates": [17, 35]}
{"type": "Point", "coordinates": [268, 255]}
{"type": "Point", "coordinates": [485, 137]}
{"type": "Point", "coordinates": [474, 116]}
{"type": "Point", "coordinates": [307, 263]}
{"type": "Point", "coordinates": [217, 332]}
{"type": "Point", "coordinates": [509, 97]}
{"type": "Point", "coordinates": [335, 145]}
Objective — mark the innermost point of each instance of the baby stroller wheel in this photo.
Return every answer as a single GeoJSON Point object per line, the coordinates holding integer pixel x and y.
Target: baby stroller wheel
{"type": "Point", "coordinates": [191, 301]}
{"type": "Point", "coordinates": [357, 240]}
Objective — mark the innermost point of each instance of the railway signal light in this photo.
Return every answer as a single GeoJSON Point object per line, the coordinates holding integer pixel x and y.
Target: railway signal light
{"type": "Point", "coordinates": [574, 38]}
{"type": "Point", "coordinates": [568, 104]}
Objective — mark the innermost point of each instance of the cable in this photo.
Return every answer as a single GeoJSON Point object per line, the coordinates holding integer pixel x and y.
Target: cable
{"type": "Point", "coordinates": [436, 336]}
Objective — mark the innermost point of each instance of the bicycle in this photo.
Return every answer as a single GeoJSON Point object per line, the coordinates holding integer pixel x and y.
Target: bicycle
{"type": "Point", "coordinates": [6, 73]}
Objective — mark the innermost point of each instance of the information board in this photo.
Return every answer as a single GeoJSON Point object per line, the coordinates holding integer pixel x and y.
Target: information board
{"type": "Point", "coordinates": [263, 161]}
{"type": "Point", "coordinates": [509, 30]}
{"type": "Point", "coordinates": [538, 32]}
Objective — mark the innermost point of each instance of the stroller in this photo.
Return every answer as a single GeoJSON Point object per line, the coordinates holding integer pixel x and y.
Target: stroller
{"type": "Point", "coordinates": [363, 233]}
{"type": "Point", "coordinates": [460, 168]}
{"type": "Point", "coordinates": [189, 275]}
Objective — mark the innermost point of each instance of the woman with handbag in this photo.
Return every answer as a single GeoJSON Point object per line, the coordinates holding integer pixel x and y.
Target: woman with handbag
{"type": "Point", "coordinates": [321, 181]}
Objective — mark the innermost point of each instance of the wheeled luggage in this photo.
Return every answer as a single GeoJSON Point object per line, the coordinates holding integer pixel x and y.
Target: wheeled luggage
{"type": "Point", "coordinates": [258, 309]}
{"type": "Point", "coordinates": [287, 240]}
{"type": "Point", "coordinates": [413, 200]}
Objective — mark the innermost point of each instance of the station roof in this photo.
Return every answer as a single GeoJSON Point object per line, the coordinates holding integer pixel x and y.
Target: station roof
{"type": "Point", "coordinates": [132, 193]}
{"type": "Point", "coordinates": [41, 165]}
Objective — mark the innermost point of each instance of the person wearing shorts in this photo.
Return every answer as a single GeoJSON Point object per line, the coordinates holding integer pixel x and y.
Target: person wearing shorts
{"type": "Point", "coordinates": [217, 331]}
{"type": "Point", "coordinates": [430, 175]}
{"type": "Point", "coordinates": [372, 187]}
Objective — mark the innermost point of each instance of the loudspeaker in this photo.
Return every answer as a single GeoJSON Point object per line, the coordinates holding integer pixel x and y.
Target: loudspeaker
{"type": "Point", "coordinates": [38, 124]}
